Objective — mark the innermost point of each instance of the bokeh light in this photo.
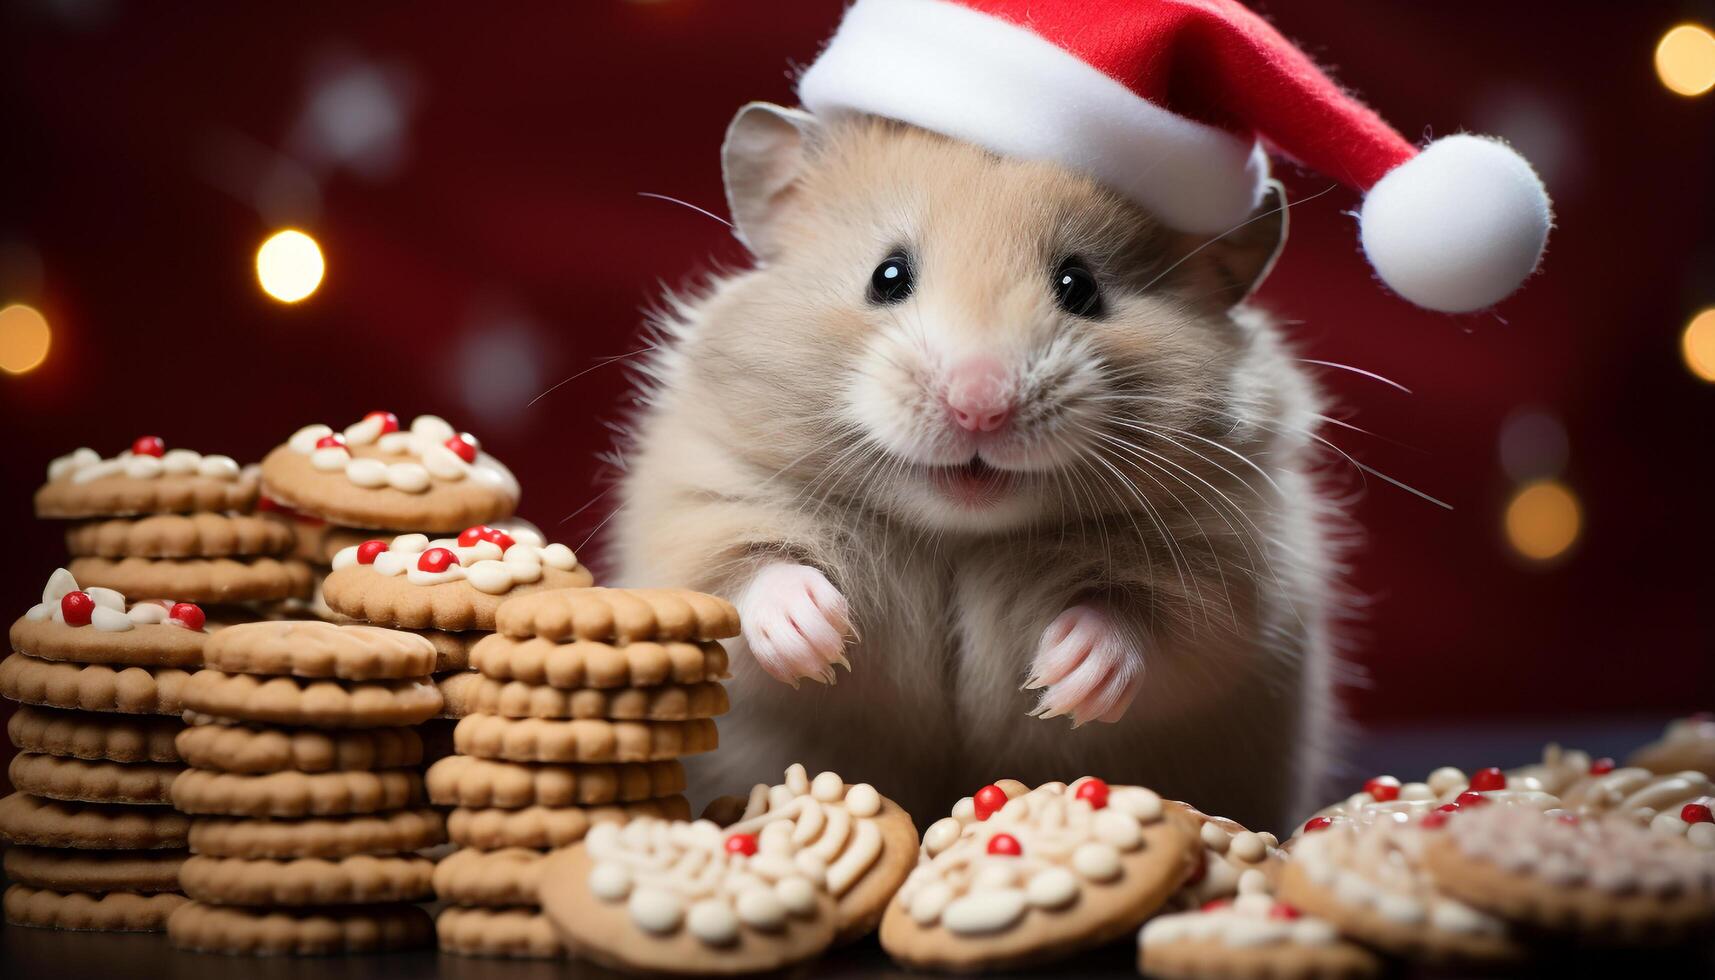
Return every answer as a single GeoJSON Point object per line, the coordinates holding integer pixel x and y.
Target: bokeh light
{"type": "Point", "coordinates": [1697, 345]}
{"type": "Point", "coordinates": [1543, 520]}
{"type": "Point", "coordinates": [1685, 59]}
{"type": "Point", "coordinates": [289, 265]}
{"type": "Point", "coordinates": [24, 338]}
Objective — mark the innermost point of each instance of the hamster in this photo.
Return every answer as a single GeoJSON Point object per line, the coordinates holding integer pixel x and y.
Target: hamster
{"type": "Point", "coordinates": [1000, 466]}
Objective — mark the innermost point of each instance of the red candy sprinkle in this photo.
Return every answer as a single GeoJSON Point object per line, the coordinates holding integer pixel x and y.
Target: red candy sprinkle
{"type": "Point", "coordinates": [436, 560]}
{"type": "Point", "coordinates": [1383, 789]}
{"type": "Point", "coordinates": [463, 447]}
{"type": "Point", "coordinates": [1094, 792]}
{"type": "Point", "coordinates": [482, 532]}
{"type": "Point", "coordinates": [1484, 780]}
{"type": "Point", "coordinates": [367, 551]}
{"type": "Point", "coordinates": [1005, 845]}
{"type": "Point", "coordinates": [1318, 823]}
{"type": "Point", "coordinates": [389, 421]}
{"type": "Point", "coordinates": [148, 446]}
{"type": "Point", "coordinates": [1215, 904]}
{"type": "Point", "coordinates": [189, 615]}
{"type": "Point", "coordinates": [1601, 767]}
{"type": "Point", "coordinates": [1281, 910]}
{"type": "Point", "coordinates": [76, 608]}
{"type": "Point", "coordinates": [1434, 819]}
{"type": "Point", "coordinates": [1472, 798]}
{"type": "Point", "coordinates": [741, 844]}
{"type": "Point", "coordinates": [332, 440]}
{"type": "Point", "coordinates": [1447, 808]}
{"type": "Point", "coordinates": [988, 800]}
{"type": "Point", "coordinates": [1696, 813]}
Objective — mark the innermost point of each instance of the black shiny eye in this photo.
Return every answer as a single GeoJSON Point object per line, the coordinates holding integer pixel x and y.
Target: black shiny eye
{"type": "Point", "coordinates": [1076, 291]}
{"type": "Point", "coordinates": [891, 281]}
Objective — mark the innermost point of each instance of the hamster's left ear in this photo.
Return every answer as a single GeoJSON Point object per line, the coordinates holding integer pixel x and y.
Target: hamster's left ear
{"type": "Point", "coordinates": [764, 153]}
{"type": "Point", "coordinates": [1223, 272]}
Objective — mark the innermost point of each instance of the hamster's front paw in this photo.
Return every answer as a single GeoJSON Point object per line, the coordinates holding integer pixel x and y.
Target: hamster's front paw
{"type": "Point", "coordinates": [796, 623]}
{"type": "Point", "coordinates": [1090, 669]}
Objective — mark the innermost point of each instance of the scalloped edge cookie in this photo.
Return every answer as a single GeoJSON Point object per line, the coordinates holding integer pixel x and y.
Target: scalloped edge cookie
{"type": "Point", "coordinates": [63, 869]}
{"type": "Point", "coordinates": [391, 832]}
{"type": "Point", "coordinates": [311, 703]}
{"type": "Point", "coordinates": [204, 535]}
{"type": "Point", "coordinates": [589, 663]}
{"type": "Point", "coordinates": [210, 580]}
{"type": "Point", "coordinates": [296, 794]}
{"type": "Point", "coordinates": [143, 645]}
{"type": "Point", "coordinates": [242, 749]}
{"type": "Point", "coordinates": [84, 781]}
{"type": "Point", "coordinates": [667, 702]}
{"type": "Point", "coordinates": [312, 648]}
{"type": "Point", "coordinates": [93, 687]}
{"type": "Point", "coordinates": [392, 600]}
{"type": "Point", "coordinates": [90, 912]}
{"type": "Point", "coordinates": [544, 827]}
{"type": "Point", "coordinates": [89, 735]}
{"type": "Point", "coordinates": [361, 879]}
{"type": "Point", "coordinates": [207, 928]}
{"type": "Point", "coordinates": [523, 934]}
{"type": "Point", "coordinates": [37, 822]}
{"type": "Point", "coordinates": [619, 615]}
{"type": "Point", "coordinates": [582, 740]}
{"type": "Point", "coordinates": [467, 781]}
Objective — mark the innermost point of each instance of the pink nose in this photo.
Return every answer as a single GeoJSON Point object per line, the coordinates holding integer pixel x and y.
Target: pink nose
{"type": "Point", "coordinates": [979, 394]}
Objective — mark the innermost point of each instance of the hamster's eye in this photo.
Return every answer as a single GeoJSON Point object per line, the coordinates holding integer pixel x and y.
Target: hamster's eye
{"type": "Point", "coordinates": [1076, 291]}
{"type": "Point", "coordinates": [891, 280]}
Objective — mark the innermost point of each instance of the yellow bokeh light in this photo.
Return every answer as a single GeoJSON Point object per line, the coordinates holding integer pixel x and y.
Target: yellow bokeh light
{"type": "Point", "coordinates": [24, 338]}
{"type": "Point", "coordinates": [1685, 59]}
{"type": "Point", "coordinates": [1543, 520]}
{"type": "Point", "coordinates": [1697, 345]}
{"type": "Point", "coordinates": [289, 265]}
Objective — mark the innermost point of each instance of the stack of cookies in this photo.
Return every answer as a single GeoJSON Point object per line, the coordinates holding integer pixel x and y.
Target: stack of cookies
{"type": "Point", "coordinates": [95, 841]}
{"type": "Point", "coordinates": [305, 793]}
{"type": "Point", "coordinates": [587, 698]}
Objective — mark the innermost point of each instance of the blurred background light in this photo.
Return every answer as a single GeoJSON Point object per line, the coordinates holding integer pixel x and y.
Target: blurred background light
{"type": "Point", "coordinates": [1697, 344]}
{"type": "Point", "coordinates": [24, 338]}
{"type": "Point", "coordinates": [289, 265]}
{"type": "Point", "coordinates": [1543, 520]}
{"type": "Point", "coordinates": [1685, 59]}
{"type": "Point", "coordinates": [1533, 444]}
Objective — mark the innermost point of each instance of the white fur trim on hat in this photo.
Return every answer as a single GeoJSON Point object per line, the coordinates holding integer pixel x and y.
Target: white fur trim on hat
{"type": "Point", "coordinates": [1457, 227]}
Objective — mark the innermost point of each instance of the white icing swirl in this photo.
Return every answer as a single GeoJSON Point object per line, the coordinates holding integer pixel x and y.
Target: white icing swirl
{"type": "Point", "coordinates": [1377, 865]}
{"type": "Point", "coordinates": [110, 614]}
{"type": "Point", "coordinates": [832, 821]}
{"type": "Point", "coordinates": [1253, 919]}
{"type": "Point", "coordinates": [482, 564]}
{"type": "Point", "coordinates": [424, 444]}
{"type": "Point", "coordinates": [84, 465]}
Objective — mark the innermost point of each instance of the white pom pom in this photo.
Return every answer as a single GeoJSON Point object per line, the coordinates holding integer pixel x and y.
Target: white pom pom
{"type": "Point", "coordinates": [1457, 227]}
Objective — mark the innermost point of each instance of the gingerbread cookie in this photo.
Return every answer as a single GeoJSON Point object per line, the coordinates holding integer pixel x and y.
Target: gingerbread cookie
{"type": "Point", "coordinates": [66, 870]}
{"type": "Point", "coordinates": [466, 781]}
{"type": "Point", "coordinates": [310, 702]}
{"type": "Point", "coordinates": [589, 664]}
{"type": "Point", "coordinates": [1446, 789]}
{"type": "Point", "coordinates": [543, 827]}
{"type": "Point", "coordinates": [620, 616]}
{"type": "Point", "coordinates": [147, 479]}
{"type": "Point", "coordinates": [393, 832]}
{"type": "Point", "coordinates": [458, 693]}
{"type": "Point", "coordinates": [93, 687]}
{"type": "Point", "coordinates": [179, 536]}
{"type": "Point", "coordinates": [1252, 937]}
{"type": "Point", "coordinates": [1229, 852]}
{"type": "Point", "coordinates": [96, 626]}
{"type": "Point", "coordinates": [212, 580]}
{"type": "Point", "coordinates": [658, 896]}
{"type": "Point", "coordinates": [452, 650]}
{"type": "Point", "coordinates": [315, 649]}
{"type": "Point", "coordinates": [239, 748]}
{"type": "Point", "coordinates": [447, 583]}
{"type": "Point", "coordinates": [667, 702]}
{"type": "Point", "coordinates": [581, 740]}
{"type": "Point", "coordinates": [1636, 793]}
{"type": "Point", "coordinates": [38, 822]}
{"type": "Point", "coordinates": [90, 912]}
{"type": "Point", "coordinates": [1040, 876]}
{"type": "Point", "coordinates": [88, 735]}
{"type": "Point", "coordinates": [83, 781]}
{"type": "Point", "coordinates": [1688, 743]}
{"type": "Point", "coordinates": [514, 933]}
{"type": "Point", "coordinates": [501, 878]}
{"type": "Point", "coordinates": [296, 794]}
{"type": "Point", "coordinates": [277, 932]}
{"type": "Point", "coordinates": [362, 879]}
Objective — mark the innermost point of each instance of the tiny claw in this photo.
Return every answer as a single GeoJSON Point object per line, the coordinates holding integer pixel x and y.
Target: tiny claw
{"type": "Point", "coordinates": [1032, 683]}
{"type": "Point", "coordinates": [843, 662]}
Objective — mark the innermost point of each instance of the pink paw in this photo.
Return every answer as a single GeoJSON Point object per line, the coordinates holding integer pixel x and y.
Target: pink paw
{"type": "Point", "coordinates": [1090, 670]}
{"type": "Point", "coordinates": [796, 623]}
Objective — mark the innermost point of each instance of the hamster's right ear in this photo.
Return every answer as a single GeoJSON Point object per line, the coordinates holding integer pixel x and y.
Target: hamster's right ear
{"type": "Point", "coordinates": [764, 153]}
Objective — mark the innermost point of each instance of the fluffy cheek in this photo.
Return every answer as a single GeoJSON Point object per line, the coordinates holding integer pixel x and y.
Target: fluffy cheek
{"type": "Point", "coordinates": [892, 400]}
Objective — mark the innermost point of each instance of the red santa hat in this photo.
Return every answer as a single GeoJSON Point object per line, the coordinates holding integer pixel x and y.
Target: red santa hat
{"type": "Point", "coordinates": [1172, 103]}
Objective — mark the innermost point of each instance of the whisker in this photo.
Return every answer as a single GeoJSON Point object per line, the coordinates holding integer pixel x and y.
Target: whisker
{"type": "Point", "coordinates": [1356, 370]}
{"type": "Point", "coordinates": [688, 204]}
{"type": "Point", "coordinates": [604, 362]}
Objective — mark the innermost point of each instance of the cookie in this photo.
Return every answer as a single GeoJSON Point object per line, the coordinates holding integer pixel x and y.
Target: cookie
{"type": "Point", "coordinates": [587, 664]}
{"type": "Point", "coordinates": [393, 832]}
{"type": "Point", "coordinates": [667, 702]}
{"type": "Point", "coordinates": [375, 474]}
{"type": "Point", "coordinates": [620, 616]}
{"type": "Point", "coordinates": [148, 479]}
{"type": "Point", "coordinates": [296, 794]}
{"type": "Point", "coordinates": [83, 781]}
{"type": "Point", "coordinates": [89, 912]}
{"type": "Point", "coordinates": [866, 841]}
{"type": "Point", "coordinates": [466, 781]}
{"type": "Point", "coordinates": [1035, 878]}
{"type": "Point", "coordinates": [93, 687]}
{"type": "Point", "coordinates": [1385, 797]}
{"type": "Point", "coordinates": [458, 692]}
{"type": "Point", "coordinates": [179, 536]}
{"type": "Point", "coordinates": [313, 703]}
{"type": "Point", "coordinates": [37, 822]}
{"type": "Point", "coordinates": [446, 583]}
{"type": "Point", "coordinates": [514, 933]}
{"type": "Point", "coordinates": [207, 928]}
{"type": "Point", "coordinates": [1688, 743]}
{"type": "Point", "coordinates": [1252, 937]}
{"type": "Point", "coordinates": [66, 870]}
{"type": "Point", "coordinates": [365, 879]}
{"type": "Point", "coordinates": [659, 896]}
{"type": "Point", "coordinates": [1636, 793]}
{"type": "Point", "coordinates": [96, 626]}
{"type": "Point", "coordinates": [500, 878]}
{"type": "Point", "coordinates": [581, 740]}
{"type": "Point", "coordinates": [211, 580]}
{"type": "Point", "coordinates": [452, 650]}
{"type": "Point", "coordinates": [1606, 881]}
{"type": "Point", "coordinates": [1229, 851]}
{"type": "Point", "coordinates": [309, 648]}
{"type": "Point", "coordinates": [544, 827]}
{"type": "Point", "coordinates": [239, 748]}
{"type": "Point", "coordinates": [87, 735]}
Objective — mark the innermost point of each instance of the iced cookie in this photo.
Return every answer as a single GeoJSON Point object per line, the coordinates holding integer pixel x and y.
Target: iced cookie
{"type": "Point", "coordinates": [83, 781]}
{"type": "Point", "coordinates": [146, 479]}
{"type": "Point", "coordinates": [544, 827]}
{"type": "Point", "coordinates": [179, 536]}
{"type": "Point", "coordinates": [1229, 851]}
{"type": "Point", "coordinates": [462, 780]}
{"type": "Point", "coordinates": [67, 870]}
{"type": "Point", "coordinates": [1252, 937]}
{"type": "Point", "coordinates": [87, 735]}
{"type": "Point", "coordinates": [667, 702]}
{"type": "Point", "coordinates": [392, 832]}
{"type": "Point", "coordinates": [591, 664]}
{"type": "Point", "coordinates": [500, 878]}
{"type": "Point", "coordinates": [210, 580]}
{"type": "Point", "coordinates": [1038, 877]}
{"type": "Point", "coordinates": [96, 625]}
{"type": "Point", "coordinates": [296, 794]}
{"type": "Point", "coordinates": [37, 822]}
{"type": "Point", "coordinates": [276, 932]}
{"type": "Point", "coordinates": [91, 912]}
{"type": "Point", "coordinates": [1688, 743]}
{"type": "Point", "coordinates": [1605, 880]}
{"type": "Point", "coordinates": [582, 739]}
{"type": "Point", "coordinates": [1636, 793]}
{"type": "Point", "coordinates": [686, 898]}
{"type": "Point", "coordinates": [1559, 770]}
{"type": "Point", "coordinates": [93, 687]}
{"type": "Point", "coordinates": [620, 616]}
{"type": "Point", "coordinates": [362, 879]}
{"type": "Point", "coordinates": [515, 933]}
{"type": "Point", "coordinates": [1446, 789]}
{"type": "Point", "coordinates": [239, 748]}
{"type": "Point", "coordinates": [314, 703]}
{"type": "Point", "coordinates": [309, 648]}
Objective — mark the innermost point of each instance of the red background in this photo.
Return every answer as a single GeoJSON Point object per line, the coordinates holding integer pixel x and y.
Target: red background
{"type": "Point", "coordinates": [130, 216]}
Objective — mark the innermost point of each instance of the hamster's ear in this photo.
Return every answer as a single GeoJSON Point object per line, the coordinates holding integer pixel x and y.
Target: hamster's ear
{"type": "Point", "coordinates": [764, 153]}
{"type": "Point", "coordinates": [1227, 270]}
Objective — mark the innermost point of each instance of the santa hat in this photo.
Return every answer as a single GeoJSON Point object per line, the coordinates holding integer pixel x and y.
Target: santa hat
{"type": "Point", "coordinates": [1171, 102]}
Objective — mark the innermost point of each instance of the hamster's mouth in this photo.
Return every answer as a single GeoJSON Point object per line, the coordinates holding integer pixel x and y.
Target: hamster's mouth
{"type": "Point", "coordinates": [975, 484]}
